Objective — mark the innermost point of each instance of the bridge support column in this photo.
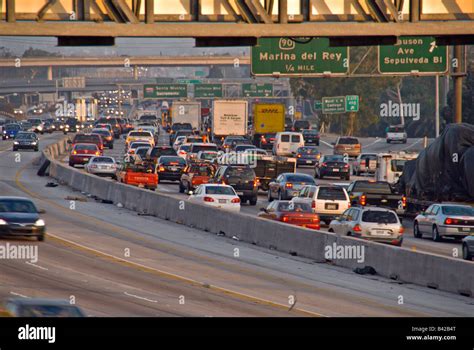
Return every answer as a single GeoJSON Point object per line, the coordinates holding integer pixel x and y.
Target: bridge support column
{"type": "Point", "coordinates": [50, 72]}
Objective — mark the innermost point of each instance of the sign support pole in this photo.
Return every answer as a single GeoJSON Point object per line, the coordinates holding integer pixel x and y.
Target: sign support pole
{"type": "Point", "coordinates": [458, 57]}
{"type": "Point", "coordinates": [437, 106]}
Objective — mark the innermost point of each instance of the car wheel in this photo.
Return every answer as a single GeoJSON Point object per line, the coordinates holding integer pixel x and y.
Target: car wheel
{"type": "Point", "coordinates": [181, 187]}
{"type": "Point", "coordinates": [435, 234]}
{"type": "Point", "coordinates": [36, 149]}
{"type": "Point", "coordinates": [416, 231]}
{"type": "Point", "coordinates": [348, 178]}
{"type": "Point", "coordinates": [71, 164]}
{"type": "Point", "coordinates": [253, 201]}
{"type": "Point", "coordinates": [466, 254]}
{"type": "Point", "coordinates": [331, 230]}
{"type": "Point", "coordinates": [14, 149]}
{"type": "Point", "coordinates": [269, 196]}
{"type": "Point", "coordinates": [188, 189]}
{"type": "Point", "coordinates": [40, 238]}
{"type": "Point", "coordinates": [111, 147]}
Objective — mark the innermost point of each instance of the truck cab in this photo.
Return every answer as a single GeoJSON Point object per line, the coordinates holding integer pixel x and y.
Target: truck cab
{"type": "Point", "coordinates": [390, 165]}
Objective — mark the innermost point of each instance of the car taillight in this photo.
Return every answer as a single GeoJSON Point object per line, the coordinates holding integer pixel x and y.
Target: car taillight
{"type": "Point", "coordinates": [74, 152]}
{"type": "Point", "coordinates": [298, 156]}
{"type": "Point", "coordinates": [284, 218]}
{"type": "Point", "coordinates": [402, 230]}
{"type": "Point", "coordinates": [161, 168]}
{"type": "Point", "coordinates": [346, 166]}
{"type": "Point", "coordinates": [256, 183]}
{"type": "Point", "coordinates": [324, 164]}
{"type": "Point", "coordinates": [208, 199]}
{"type": "Point", "coordinates": [450, 221]}
{"type": "Point", "coordinates": [357, 228]}
{"type": "Point", "coordinates": [404, 201]}
{"type": "Point", "coordinates": [235, 200]}
{"type": "Point", "coordinates": [313, 204]}
{"type": "Point", "coordinates": [97, 153]}
{"type": "Point", "coordinates": [363, 200]}
{"type": "Point", "coordinates": [289, 185]}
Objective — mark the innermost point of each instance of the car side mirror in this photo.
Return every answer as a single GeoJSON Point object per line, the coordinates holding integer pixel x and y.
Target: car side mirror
{"type": "Point", "coordinates": [41, 211]}
{"type": "Point", "coordinates": [333, 143]}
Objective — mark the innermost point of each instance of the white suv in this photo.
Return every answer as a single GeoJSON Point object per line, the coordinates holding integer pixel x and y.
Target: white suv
{"type": "Point", "coordinates": [396, 133]}
{"type": "Point", "coordinates": [326, 200]}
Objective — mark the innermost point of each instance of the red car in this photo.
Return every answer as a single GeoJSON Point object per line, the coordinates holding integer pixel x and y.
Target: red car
{"type": "Point", "coordinates": [299, 214]}
{"type": "Point", "coordinates": [82, 152]}
{"type": "Point", "coordinates": [89, 138]}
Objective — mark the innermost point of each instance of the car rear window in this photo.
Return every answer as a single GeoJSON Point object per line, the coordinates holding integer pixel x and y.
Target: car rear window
{"type": "Point", "coordinates": [12, 127]}
{"type": "Point", "coordinates": [295, 138]}
{"type": "Point", "coordinates": [308, 150]}
{"type": "Point", "coordinates": [172, 160]}
{"type": "Point", "coordinates": [285, 138]}
{"type": "Point", "coordinates": [348, 141]}
{"type": "Point", "coordinates": [224, 190]}
{"type": "Point", "coordinates": [85, 147]}
{"type": "Point", "coordinates": [372, 187]}
{"type": "Point", "coordinates": [378, 216]}
{"type": "Point", "coordinates": [103, 160]}
{"type": "Point", "coordinates": [300, 178]}
{"type": "Point", "coordinates": [185, 148]}
{"type": "Point", "coordinates": [138, 144]}
{"type": "Point", "coordinates": [101, 132]}
{"type": "Point", "coordinates": [302, 124]}
{"type": "Point", "coordinates": [245, 174]}
{"type": "Point", "coordinates": [87, 138]}
{"type": "Point", "coordinates": [462, 211]}
{"type": "Point", "coordinates": [201, 170]}
{"type": "Point", "coordinates": [398, 164]}
{"type": "Point", "coordinates": [294, 207]}
{"type": "Point", "coordinates": [140, 134]}
{"type": "Point", "coordinates": [335, 193]}
{"type": "Point", "coordinates": [310, 132]}
{"type": "Point", "coordinates": [198, 148]}
{"type": "Point", "coordinates": [395, 129]}
{"type": "Point", "coordinates": [162, 151]}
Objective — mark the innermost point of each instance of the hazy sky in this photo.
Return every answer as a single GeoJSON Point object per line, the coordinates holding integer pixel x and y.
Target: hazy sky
{"type": "Point", "coordinates": [124, 46]}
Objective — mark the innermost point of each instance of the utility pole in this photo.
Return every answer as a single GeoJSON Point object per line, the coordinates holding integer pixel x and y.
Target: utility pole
{"type": "Point", "coordinates": [437, 106]}
{"type": "Point", "coordinates": [458, 57]}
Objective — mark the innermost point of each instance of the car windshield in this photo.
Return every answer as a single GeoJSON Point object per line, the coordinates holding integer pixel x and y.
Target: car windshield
{"type": "Point", "coordinates": [300, 178]}
{"type": "Point", "coordinates": [25, 136]}
{"type": "Point", "coordinates": [336, 193]}
{"type": "Point", "coordinates": [103, 160]}
{"type": "Point", "coordinates": [49, 311]}
{"type": "Point", "coordinates": [222, 190]}
{"type": "Point", "coordinates": [348, 141]}
{"type": "Point", "coordinates": [243, 173]}
{"type": "Point", "coordinates": [378, 216]}
{"type": "Point", "coordinates": [458, 210]}
{"type": "Point", "coordinates": [294, 207]}
{"type": "Point", "coordinates": [17, 206]}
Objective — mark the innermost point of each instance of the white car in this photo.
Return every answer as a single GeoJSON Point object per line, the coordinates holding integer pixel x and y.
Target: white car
{"type": "Point", "coordinates": [207, 156]}
{"type": "Point", "coordinates": [136, 144]}
{"type": "Point", "coordinates": [217, 196]}
{"type": "Point", "coordinates": [396, 133]}
{"type": "Point", "coordinates": [178, 142]}
{"type": "Point", "coordinates": [184, 149]}
{"type": "Point", "coordinates": [101, 165]}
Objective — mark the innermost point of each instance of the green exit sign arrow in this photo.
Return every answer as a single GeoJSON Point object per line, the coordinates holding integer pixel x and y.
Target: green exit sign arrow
{"type": "Point", "coordinates": [419, 55]}
{"type": "Point", "coordinates": [352, 103]}
{"type": "Point", "coordinates": [298, 57]}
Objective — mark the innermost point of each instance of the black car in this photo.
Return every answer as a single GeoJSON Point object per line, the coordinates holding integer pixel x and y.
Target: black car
{"type": "Point", "coordinates": [288, 185]}
{"type": "Point", "coordinates": [170, 168]}
{"type": "Point", "coordinates": [288, 124]}
{"type": "Point", "coordinates": [26, 140]}
{"type": "Point", "coordinates": [332, 165]}
{"type": "Point", "coordinates": [36, 307]}
{"type": "Point", "coordinates": [180, 132]}
{"type": "Point", "coordinates": [19, 217]}
{"type": "Point", "coordinates": [311, 137]}
{"type": "Point", "coordinates": [231, 141]}
{"type": "Point", "coordinates": [307, 155]}
{"type": "Point", "coordinates": [71, 125]}
{"type": "Point", "coordinates": [299, 125]}
{"type": "Point", "coordinates": [158, 151]}
{"type": "Point", "coordinates": [114, 122]}
{"type": "Point", "coordinates": [242, 178]}
{"type": "Point", "coordinates": [107, 137]}
{"type": "Point", "coordinates": [267, 140]}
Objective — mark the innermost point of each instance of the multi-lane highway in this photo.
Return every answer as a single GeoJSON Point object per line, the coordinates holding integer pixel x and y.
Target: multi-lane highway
{"type": "Point", "coordinates": [112, 261]}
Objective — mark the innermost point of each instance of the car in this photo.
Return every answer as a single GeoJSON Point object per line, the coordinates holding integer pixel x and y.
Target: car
{"type": "Point", "coordinates": [114, 122]}
{"type": "Point", "coordinates": [300, 125]}
{"type": "Point", "coordinates": [88, 138]}
{"type": "Point", "coordinates": [20, 217]}
{"type": "Point", "coordinates": [371, 223]}
{"type": "Point", "coordinates": [156, 152]}
{"type": "Point", "coordinates": [333, 166]}
{"type": "Point", "coordinates": [81, 153]}
{"type": "Point", "coordinates": [365, 163]}
{"type": "Point", "coordinates": [183, 150]}
{"type": "Point", "coordinates": [243, 148]}
{"type": "Point", "coordinates": [10, 130]}
{"type": "Point", "coordinates": [242, 178]}
{"type": "Point", "coordinates": [135, 144]}
{"type": "Point", "coordinates": [230, 142]}
{"type": "Point", "coordinates": [255, 151]}
{"type": "Point", "coordinates": [311, 137]}
{"type": "Point", "coordinates": [396, 133]}
{"type": "Point", "coordinates": [38, 307]}
{"type": "Point", "coordinates": [299, 214]}
{"type": "Point", "coordinates": [288, 123]}
{"type": "Point", "coordinates": [180, 132]}
{"type": "Point", "coordinates": [178, 142]}
{"type": "Point", "coordinates": [57, 125]}
{"type": "Point", "coordinates": [71, 125]}
{"type": "Point", "coordinates": [193, 139]}
{"type": "Point", "coordinates": [48, 126]}
{"type": "Point", "coordinates": [170, 168]}
{"type": "Point", "coordinates": [198, 147]}
{"type": "Point", "coordinates": [287, 143]}
{"type": "Point", "coordinates": [107, 137]}
{"type": "Point", "coordinates": [468, 247]}
{"type": "Point", "coordinates": [444, 220]}
{"type": "Point", "coordinates": [101, 165]}
{"type": "Point", "coordinates": [307, 155]}
{"type": "Point", "coordinates": [26, 140]}
{"type": "Point", "coordinates": [139, 135]}
{"type": "Point", "coordinates": [288, 185]}
{"type": "Point", "coordinates": [104, 126]}
{"type": "Point", "coordinates": [195, 174]}
{"type": "Point", "coordinates": [37, 124]}
{"type": "Point", "coordinates": [267, 140]}
{"type": "Point", "coordinates": [142, 151]}
{"type": "Point", "coordinates": [326, 200]}
{"type": "Point", "coordinates": [207, 156]}
{"type": "Point", "coordinates": [217, 196]}
{"type": "Point", "coordinates": [347, 145]}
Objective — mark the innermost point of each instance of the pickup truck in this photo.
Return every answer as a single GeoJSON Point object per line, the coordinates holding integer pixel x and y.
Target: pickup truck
{"type": "Point", "coordinates": [376, 193]}
{"type": "Point", "coordinates": [141, 175]}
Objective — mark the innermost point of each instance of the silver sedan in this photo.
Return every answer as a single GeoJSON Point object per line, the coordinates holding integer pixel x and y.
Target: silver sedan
{"type": "Point", "coordinates": [444, 220]}
{"type": "Point", "coordinates": [101, 165]}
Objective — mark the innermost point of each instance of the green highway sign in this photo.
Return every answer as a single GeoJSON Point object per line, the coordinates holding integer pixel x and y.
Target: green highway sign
{"type": "Point", "coordinates": [164, 80]}
{"type": "Point", "coordinates": [352, 103]}
{"type": "Point", "coordinates": [208, 90]}
{"type": "Point", "coordinates": [165, 91]}
{"type": "Point", "coordinates": [199, 73]}
{"type": "Point", "coordinates": [188, 81]}
{"type": "Point", "coordinates": [257, 90]}
{"type": "Point", "coordinates": [318, 105]}
{"type": "Point", "coordinates": [304, 57]}
{"type": "Point", "coordinates": [333, 105]}
{"type": "Point", "coordinates": [413, 55]}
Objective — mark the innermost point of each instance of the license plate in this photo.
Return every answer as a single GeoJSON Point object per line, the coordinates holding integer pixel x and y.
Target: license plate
{"type": "Point", "coordinates": [381, 233]}
{"type": "Point", "coordinates": [222, 200]}
{"type": "Point", "coordinates": [308, 162]}
{"type": "Point", "coordinates": [173, 168]}
{"type": "Point", "coordinates": [466, 229]}
{"type": "Point", "coordinates": [331, 206]}
{"type": "Point", "coordinates": [240, 193]}
{"type": "Point", "coordinates": [335, 170]}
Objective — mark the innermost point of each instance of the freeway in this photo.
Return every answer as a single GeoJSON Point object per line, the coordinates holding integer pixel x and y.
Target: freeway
{"type": "Point", "coordinates": [448, 247]}
{"type": "Point", "coordinates": [113, 262]}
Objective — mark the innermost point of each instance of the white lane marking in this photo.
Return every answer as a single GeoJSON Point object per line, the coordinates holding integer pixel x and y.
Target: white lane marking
{"type": "Point", "coordinates": [141, 298]}
{"type": "Point", "coordinates": [37, 266]}
{"type": "Point", "coordinates": [373, 143]}
{"type": "Point", "coordinates": [413, 144]}
{"type": "Point", "coordinates": [19, 295]}
{"type": "Point", "coordinates": [166, 189]}
{"type": "Point", "coordinates": [327, 144]}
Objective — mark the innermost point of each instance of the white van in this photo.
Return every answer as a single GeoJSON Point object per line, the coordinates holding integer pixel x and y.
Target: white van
{"type": "Point", "coordinates": [390, 165]}
{"type": "Point", "coordinates": [287, 143]}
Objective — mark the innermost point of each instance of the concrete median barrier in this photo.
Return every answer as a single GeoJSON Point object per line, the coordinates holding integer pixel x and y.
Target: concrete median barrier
{"type": "Point", "coordinates": [424, 269]}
